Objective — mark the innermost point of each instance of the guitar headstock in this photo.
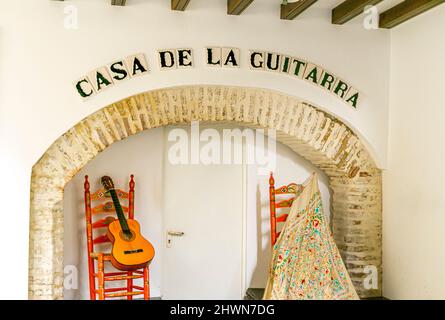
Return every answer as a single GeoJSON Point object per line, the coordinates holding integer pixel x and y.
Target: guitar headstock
{"type": "Point", "coordinates": [107, 183]}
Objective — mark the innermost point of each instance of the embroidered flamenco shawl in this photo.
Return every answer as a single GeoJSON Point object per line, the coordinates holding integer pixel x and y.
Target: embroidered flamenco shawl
{"type": "Point", "coordinates": [306, 263]}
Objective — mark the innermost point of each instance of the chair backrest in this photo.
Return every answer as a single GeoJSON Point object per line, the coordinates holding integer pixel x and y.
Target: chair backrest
{"type": "Point", "coordinates": [95, 220]}
{"type": "Point", "coordinates": [282, 192]}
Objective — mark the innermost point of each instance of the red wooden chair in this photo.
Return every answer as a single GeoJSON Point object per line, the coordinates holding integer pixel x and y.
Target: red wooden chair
{"type": "Point", "coordinates": [282, 192]}
{"type": "Point", "coordinates": [96, 235]}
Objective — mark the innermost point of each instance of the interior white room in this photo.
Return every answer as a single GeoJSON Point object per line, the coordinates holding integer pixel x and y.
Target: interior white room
{"type": "Point", "coordinates": [378, 163]}
{"type": "Point", "coordinates": [235, 224]}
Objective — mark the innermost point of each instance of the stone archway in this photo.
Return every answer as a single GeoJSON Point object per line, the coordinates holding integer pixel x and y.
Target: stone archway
{"type": "Point", "coordinates": [317, 136]}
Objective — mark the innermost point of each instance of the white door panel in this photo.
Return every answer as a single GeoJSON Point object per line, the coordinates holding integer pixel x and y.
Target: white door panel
{"type": "Point", "coordinates": [205, 203]}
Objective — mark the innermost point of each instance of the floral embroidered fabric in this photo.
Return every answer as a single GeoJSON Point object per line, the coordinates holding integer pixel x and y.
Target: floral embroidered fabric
{"type": "Point", "coordinates": [306, 263]}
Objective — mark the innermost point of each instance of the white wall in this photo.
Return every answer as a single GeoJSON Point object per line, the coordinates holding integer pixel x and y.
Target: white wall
{"type": "Point", "coordinates": [414, 202]}
{"type": "Point", "coordinates": [40, 60]}
{"type": "Point", "coordinates": [142, 155]}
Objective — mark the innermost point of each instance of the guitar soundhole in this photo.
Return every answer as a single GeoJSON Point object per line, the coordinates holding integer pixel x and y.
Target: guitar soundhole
{"type": "Point", "coordinates": [127, 236]}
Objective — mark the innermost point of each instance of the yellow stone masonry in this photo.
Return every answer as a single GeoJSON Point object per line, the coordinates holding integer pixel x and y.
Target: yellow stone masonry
{"type": "Point", "coordinates": [317, 136]}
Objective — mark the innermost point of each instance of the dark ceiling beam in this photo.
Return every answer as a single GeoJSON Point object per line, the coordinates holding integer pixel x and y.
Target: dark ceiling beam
{"type": "Point", "coordinates": [236, 7]}
{"type": "Point", "coordinates": [350, 9]}
{"type": "Point", "coordinates": [291, 10]}
{"type": "Point", "coordinates": [179, 5]}
{"type": "Point", "coordinates": [118, 2]}
{"type": "Point", "coordinates": [405, 11]}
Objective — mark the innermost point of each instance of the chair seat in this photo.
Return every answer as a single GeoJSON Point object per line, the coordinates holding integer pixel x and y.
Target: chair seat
{"type": "Point", "coordinates": [95, 255]}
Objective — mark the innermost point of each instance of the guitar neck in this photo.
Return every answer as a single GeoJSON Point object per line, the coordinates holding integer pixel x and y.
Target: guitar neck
{"type": "Point", "coordinates": [119, 211]}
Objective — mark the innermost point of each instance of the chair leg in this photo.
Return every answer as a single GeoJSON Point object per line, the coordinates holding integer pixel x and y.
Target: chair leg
{"type": "Point", "coordinates": [129, 285]}
{"type": "Point", "coordinates": [101, 276]}
{"type": "Point", "coordinates": [92, 279]}
{"type": "Point", "coordinates": [146, 284]}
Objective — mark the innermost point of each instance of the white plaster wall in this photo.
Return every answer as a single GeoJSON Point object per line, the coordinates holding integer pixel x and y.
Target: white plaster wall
{"type": "Point", "coordinates": [40, 60]}
{"type": "Point", "coordinates": [414, 201]}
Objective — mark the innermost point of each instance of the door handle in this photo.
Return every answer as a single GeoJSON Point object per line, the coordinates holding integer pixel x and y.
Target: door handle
{"type": "Point", "coordinates": [171, 234]}
{"type": "Point", "coordinates": [175, 233]}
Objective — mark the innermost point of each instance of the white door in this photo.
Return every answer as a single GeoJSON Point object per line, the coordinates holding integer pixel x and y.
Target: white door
{"type": "Point", "coordinates": [204, 202]}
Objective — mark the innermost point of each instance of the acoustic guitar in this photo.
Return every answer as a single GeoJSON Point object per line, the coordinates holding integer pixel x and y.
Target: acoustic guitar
{"type": "Point", "coordinates": [130, 249]}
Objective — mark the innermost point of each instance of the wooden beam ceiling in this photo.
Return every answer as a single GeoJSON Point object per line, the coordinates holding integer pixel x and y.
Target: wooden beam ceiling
{"type": "Point", "coordinates": [236, 7]}
{"type": "Point", "coordinates": [405, 11]}
{"type": "Point", "coordinates": [179, 5]}
{"type": "Point", "coordinates": [291, 10]}
{"type": "Point", "coordinates": [118, 2]}
{"type": "Point", "coordinates": [350, 9]}
{"type": "Point", "coordinates": [344, 12]}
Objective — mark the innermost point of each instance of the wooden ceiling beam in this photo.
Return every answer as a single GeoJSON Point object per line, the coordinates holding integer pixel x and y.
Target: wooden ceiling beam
{"type": "Point", "coordinates": [236, 7]}
{"type": "Point", "coordinates": [179, 5]}
{"type": "Point", "coordinates": [291, 10]}
{"type": "Point", "coordinates": [350, 9]}
{"type": "Point", "coordinates": [118, 2]}
{"type": "Point", "coordinates": [114, 2]}
{"type": "Point", "coordinates": [405, 11]}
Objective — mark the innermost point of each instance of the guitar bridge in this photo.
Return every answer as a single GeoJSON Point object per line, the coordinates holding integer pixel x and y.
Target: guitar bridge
{"type": "Point", "coordinates": [133, 251]}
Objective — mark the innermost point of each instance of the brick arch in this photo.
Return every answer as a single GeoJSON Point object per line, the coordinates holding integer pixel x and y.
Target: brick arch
{"type": "Point", "coordinates": [322, 139]}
